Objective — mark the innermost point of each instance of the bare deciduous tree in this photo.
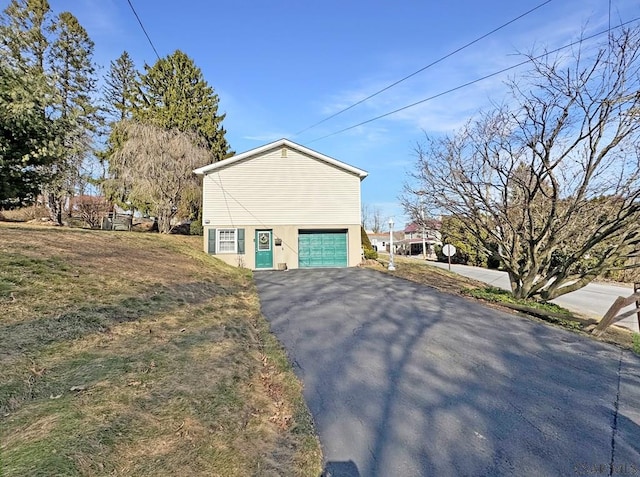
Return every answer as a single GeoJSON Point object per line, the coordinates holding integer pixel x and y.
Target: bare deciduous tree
{"type": "Point", "coordinates": [157, 166]}
{"type": "Point", "coordinates": [376, 220]}
{"type": "Point", "coordinates": [365, 216]}
{"type": "Point", "coordinates": [372, 218]}
{"type": "Point", "coordinates": [552, 179]}
{"type": "Point", "coordinates": [91, 209]}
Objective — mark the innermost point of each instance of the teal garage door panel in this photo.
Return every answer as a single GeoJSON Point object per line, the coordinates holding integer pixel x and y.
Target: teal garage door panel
{"type": "Point", "coordinates": [322, 248]}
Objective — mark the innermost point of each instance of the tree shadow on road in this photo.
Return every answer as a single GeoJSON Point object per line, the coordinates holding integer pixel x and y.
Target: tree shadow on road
{"type": "Point", "coordinates": [404, 380]}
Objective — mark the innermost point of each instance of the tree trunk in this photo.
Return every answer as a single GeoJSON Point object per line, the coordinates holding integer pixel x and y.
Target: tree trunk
{"type": "Point", "coordinates": [164, 222]}
{"type": "Point", "coordinates": [55, 208]}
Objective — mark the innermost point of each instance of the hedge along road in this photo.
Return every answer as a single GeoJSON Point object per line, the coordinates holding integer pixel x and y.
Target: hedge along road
{"type": "Point", "coordinates": [404, 380]}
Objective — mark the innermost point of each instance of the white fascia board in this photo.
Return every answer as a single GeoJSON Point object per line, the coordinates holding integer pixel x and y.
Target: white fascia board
{"type": "Point", "coordinates": [280, 143]}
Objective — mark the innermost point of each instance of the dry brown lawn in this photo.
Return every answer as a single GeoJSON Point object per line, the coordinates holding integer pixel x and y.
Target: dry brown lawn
{"type": "Point", "coordinates": [137, 354]}
{"type": "Point", "coordinates": [419, 271]}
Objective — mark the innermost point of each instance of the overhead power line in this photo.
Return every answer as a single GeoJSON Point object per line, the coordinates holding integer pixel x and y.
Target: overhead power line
{"type": "Point", "coordinates": [143, 28]}
{"type": "Point", "coordinates": [496, 73]}
{"type": "Point", "coordinates": [425, 67]}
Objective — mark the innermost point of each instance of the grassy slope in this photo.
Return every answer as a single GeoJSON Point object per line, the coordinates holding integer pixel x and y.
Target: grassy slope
{"type": "Point", "coordinates": [135, 354]}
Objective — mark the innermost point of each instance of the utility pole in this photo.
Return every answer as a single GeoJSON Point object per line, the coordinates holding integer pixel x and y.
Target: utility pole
{"type": "Point", "coordinates": [424, 239]}
{"type": "Point", "coordinates": [392, 267]}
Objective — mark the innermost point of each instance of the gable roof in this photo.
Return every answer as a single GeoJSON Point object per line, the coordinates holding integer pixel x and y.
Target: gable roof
{"type": "Point", "coordinates": [431, 224]}
{"type": "Point", "coordinates": [280, 143]}
{"type": "Point", "coordinates": [412, 227]}
{"type": "Point", "coordinates": [377, 235]}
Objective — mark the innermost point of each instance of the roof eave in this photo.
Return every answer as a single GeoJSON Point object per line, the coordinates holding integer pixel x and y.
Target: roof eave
{"type": "Point", "coordinates": [281, 142]}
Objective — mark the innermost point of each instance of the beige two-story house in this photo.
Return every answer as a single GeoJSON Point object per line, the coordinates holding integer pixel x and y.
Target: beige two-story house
{"type": "Point", "coordinates": [280, 206]}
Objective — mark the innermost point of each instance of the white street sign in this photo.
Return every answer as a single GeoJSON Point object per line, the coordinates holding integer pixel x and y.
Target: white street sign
{"type": "Point", "coordinates": [449, 250]}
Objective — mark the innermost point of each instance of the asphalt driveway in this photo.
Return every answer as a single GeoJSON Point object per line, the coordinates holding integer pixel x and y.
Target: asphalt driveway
{"type": "Point", "coordinates": [403, 380]}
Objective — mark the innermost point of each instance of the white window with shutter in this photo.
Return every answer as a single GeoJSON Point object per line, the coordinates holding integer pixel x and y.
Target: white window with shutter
{"type": "Point", "coordinates": [226, 241]}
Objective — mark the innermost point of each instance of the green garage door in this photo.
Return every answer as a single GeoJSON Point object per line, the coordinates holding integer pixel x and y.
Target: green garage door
{"type": "Point", "coordinates": [322, 248]}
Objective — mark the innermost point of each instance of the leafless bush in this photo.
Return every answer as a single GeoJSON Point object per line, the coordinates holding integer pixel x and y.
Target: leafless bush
{"type": "Point", "coordinates": [91, 209]}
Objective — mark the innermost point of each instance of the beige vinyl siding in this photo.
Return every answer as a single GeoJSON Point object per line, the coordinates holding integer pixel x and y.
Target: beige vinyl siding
{"type": "Point", "coordinates": [274, 190]}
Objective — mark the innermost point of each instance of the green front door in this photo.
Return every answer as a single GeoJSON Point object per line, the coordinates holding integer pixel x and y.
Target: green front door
{"type": "Point", "coordinates": [264, 249]}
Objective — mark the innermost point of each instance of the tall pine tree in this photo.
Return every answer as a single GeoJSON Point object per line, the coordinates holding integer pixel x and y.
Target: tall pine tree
{"type": "Point", "coordinates": [174, 94]}
{"type": "Point", "coordinates": [28, 141]}
{"type": "Point", "coordinates": [121, 87]}
{"type": "Point", "coordinates": [74, 73]}
{"type": "Point", "coordinates": [23, 30]}
{"type": "Point", "coordinates": [28, 138]}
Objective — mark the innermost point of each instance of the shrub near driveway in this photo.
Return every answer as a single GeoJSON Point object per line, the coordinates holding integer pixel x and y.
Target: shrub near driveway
{"type": "Point", "coordinates": [136, 354]}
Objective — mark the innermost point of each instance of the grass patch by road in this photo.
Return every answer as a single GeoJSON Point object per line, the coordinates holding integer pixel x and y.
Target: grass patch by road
{"type": "Point", "coordinates": [419, 271]}
{"type": "Point", "coordinates": [136, 354]}
{"type": "Point", "coordinates": [545, 310]}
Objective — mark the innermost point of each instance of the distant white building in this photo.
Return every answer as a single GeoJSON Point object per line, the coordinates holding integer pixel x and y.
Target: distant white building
{"type": "Point", "coordinates": [380, 241]}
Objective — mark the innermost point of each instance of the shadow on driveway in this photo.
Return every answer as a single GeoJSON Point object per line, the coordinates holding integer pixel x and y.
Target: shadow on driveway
{"type": "Point", "coordinates": [404, 380]}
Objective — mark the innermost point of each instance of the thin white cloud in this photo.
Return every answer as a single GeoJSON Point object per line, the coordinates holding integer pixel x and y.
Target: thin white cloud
{"type": "Point", "coordinates": [372, 135]}
{"type": "Point", "coordinates": [453, 109]}
{"type": "Point", "coordinates": [100, 18]}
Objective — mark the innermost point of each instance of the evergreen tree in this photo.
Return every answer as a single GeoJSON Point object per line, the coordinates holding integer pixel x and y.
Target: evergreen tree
{"type": "Point", "coordinates": [172, 96]}
{"type": "Point", "coordinates": [176, 95]}
{"type": "Point", "coordinates": [28, 143]}
{"type": "Point", "coordinates": [121, 85]}
{"type": "Point", "coordinates": [27, 138]}
{"type": "Point", "coordinates": [23, 28]}
{"type": "Point", "coordinates": [469, 250]}
{"type": "Point", "coordinates": [75, 79]}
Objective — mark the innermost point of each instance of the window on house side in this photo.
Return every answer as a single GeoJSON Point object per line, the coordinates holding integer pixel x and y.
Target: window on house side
{"type": "Point", "coordinates": [226, 241]}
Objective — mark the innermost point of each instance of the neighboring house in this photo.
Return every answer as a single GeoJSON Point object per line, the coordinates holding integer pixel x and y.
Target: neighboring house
{"type": "Point", "coordinates": [282, 206]}
{"type": "Point", "coordinates": [379, 241]}
{"type": "Point", "coordinates": [412, 242]}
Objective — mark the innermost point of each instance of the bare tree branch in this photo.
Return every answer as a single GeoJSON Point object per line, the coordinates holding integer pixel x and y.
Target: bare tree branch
{"type": "Point", "coordinates": [553, 179]}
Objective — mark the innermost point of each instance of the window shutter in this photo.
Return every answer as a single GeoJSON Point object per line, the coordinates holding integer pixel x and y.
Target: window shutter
{"type": "Point", "coordinates": [212, 241]}
{"type": "Point", "coordinates": [241, 241]}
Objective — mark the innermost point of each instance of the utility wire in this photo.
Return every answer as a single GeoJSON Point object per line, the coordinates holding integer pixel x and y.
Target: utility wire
{"type": "Point", "coordinates": [496, 73]}
{"type": "Point", "coordinates": [143, 28]}
{"type": "Point", "coordinates": [424, 68]}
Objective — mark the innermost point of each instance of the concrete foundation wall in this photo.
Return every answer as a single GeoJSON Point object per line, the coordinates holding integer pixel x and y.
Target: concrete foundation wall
{"type": "Point", "coordinates": [287, 251]}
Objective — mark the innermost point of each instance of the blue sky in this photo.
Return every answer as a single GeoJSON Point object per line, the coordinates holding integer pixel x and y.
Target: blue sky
{"type": "Point", "coordinates": [283, 65]}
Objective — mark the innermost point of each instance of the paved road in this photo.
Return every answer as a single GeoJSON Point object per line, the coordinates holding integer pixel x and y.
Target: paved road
{"type": "Point", "coordinates": [405, 381]}
{"type": "Point", "coordinates": [593, 300]}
